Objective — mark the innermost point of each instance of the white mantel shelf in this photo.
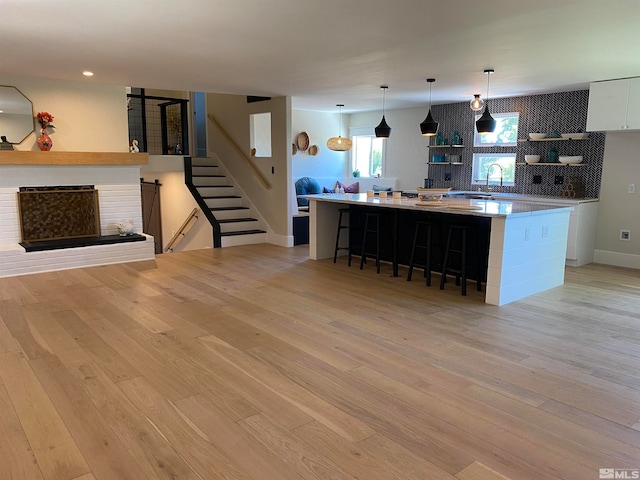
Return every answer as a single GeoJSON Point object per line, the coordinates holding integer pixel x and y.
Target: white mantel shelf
{"type": "Point", "coordinates": [22, 157]}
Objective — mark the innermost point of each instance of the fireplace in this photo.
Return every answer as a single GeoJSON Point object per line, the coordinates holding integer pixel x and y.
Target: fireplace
{"type": "Point", "coordinates": [53, 218]}
{"type": "Point", "coordinates": [58, 213]}
{"type": "Point", "coordinates": [115, 177]}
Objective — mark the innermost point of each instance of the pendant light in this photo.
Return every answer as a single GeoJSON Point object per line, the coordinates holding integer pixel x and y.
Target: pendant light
{"type": "Point", "coordinates": [383, 130]}
{"type": "Point", "coordinates": [339, 144]}
{"type": "Point", "coordinates": [429, 127]}
{"type": "Point", "coordinates": [477, 103]}
{"type": "Point", "coordinates": [486, 123]}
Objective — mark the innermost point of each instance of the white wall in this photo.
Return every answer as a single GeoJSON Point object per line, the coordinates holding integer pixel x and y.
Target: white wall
{"type": "Point", "coordinates": [618, 209]}
{"type": "Point", "coordinates": [320, 126]}
{"type": "Point", "coordinates": [176, 202]}
{"type": "Point", "coordinates": [406, 148]}
{"type": "Point", "coordinates": [88, 116]}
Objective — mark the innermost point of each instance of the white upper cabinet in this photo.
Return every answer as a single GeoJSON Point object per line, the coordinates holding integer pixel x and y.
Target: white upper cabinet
{"type": "Point", "coordinates": [614, 105]}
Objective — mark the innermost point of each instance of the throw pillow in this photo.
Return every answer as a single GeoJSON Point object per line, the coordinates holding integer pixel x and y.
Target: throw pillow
{"type": "Point", "coordinates": [377, 188]}
{"type": "Point", "coordinates": [353, 188]}
{"type": "Point", "coordinates": [328, 190]}
{"type": "Point", "coordinates": [306, 186]}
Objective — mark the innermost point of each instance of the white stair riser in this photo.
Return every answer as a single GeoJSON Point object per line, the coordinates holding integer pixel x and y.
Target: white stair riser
{"type": "Point", "coordinates": [205, 171]}
{"type": "Point", "coordinates": [223, 202]}
{"type": "Point", "coordinates": [227, 214]}
{"type": "Point", "coordinates": [215, 191]}
{"type": "Point", "coordinates": [208, 181]}
{"type": "Point", "coordinates": [238, 226]}
{"type": "Point", "coordinates": [236, 240]}
{"type": "Point", "coordinates": [202, 161]}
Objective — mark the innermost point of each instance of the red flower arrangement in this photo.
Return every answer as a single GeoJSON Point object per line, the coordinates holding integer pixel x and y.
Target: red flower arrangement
{"type": "Point", "coordinates": [45, 119]}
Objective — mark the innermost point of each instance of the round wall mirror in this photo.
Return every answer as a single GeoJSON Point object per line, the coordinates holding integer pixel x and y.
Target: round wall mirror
{"type": "Point", "coordinates": [16, 115]}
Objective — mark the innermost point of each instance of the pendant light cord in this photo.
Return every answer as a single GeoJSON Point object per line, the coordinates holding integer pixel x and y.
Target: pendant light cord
{"type": "Point", "coordinates": [488, 72]}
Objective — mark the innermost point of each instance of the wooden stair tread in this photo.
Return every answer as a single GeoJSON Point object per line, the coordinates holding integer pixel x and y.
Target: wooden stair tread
{"type": "Point", "coordinates": [234, 220]}
{"type": "Point", "coordinates": [220, 196]}
{"type": "Point", "coordinates": [221, 209]}
{"type": "Point", "coordinates": [241, 232]}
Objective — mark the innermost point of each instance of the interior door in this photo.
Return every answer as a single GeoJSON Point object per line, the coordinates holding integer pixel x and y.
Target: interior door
{"type": "Point", "coordinates": [151, 218]}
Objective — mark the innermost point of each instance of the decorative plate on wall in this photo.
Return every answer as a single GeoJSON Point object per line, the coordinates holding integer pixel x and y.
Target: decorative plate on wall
{"type": "Point", "coordinates": [294, 149]}
{"type": "Point", "coordinates": [303, 141]}
{"type": "Point", "coordinates": [313, 150]}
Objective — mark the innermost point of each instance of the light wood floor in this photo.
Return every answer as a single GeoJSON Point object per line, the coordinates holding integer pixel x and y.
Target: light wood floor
{"type": "Point", "coordinates": [257, 363]}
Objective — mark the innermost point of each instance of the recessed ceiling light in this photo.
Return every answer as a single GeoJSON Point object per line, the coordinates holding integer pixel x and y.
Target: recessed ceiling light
{"type": "Point", "coordinates": [87, 73]}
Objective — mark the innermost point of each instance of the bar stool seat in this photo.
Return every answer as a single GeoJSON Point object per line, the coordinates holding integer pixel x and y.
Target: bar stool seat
{"type": "Point", "coordinates": [371, 226]}
{"type": "Point", "coordinates": [422, 245]}
{"type": "Point", "coordinates": [341, 227]}
{"type": "Point", "coordinates": [458, 240]}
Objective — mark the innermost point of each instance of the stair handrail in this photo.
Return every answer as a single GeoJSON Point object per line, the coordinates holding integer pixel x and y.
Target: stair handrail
{"type": "Point", "coordinates": [182, 231]}
{"type": "Point", "coordinates": [239, 151]}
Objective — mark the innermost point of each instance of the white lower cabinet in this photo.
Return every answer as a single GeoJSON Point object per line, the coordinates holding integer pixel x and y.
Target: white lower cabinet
{"type": "Point", "coordinates": [581, 242]}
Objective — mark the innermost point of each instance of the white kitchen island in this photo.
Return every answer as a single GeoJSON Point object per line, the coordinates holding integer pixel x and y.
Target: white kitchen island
{"type": "Point", "coordinates": [527, 242]}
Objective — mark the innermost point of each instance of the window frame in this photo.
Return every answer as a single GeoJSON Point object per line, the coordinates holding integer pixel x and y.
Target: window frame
{"type": "Point", "coordinates": [368, 132]}
{"type": "Point", "coordinates": [498, 117]}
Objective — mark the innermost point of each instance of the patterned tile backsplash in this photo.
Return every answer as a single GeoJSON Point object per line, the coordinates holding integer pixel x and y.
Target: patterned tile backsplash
{"type": "Point", "coordinates": [564, 112]}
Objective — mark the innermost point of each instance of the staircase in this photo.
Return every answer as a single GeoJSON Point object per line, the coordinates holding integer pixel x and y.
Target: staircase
{"type": "Point", "coordinates": [233, 222]}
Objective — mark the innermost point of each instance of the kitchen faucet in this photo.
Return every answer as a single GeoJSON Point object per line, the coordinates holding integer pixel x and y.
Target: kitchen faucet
{"type": "Point", "coordinates": [486, 188]}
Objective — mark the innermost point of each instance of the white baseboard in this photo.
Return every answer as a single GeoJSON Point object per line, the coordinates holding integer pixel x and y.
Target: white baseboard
{"type": "Point", "coordinates": [280, 240]}
{"type": "Point", "coordinates": [617, 259]}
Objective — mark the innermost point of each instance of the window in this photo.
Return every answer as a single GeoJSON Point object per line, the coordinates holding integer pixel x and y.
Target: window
{"type": "Point", "coordinates": [260, 134]}
{"type": "Point", "coordinates": [506, 168]}
{"type": "Point", "coordinates": [367, 154]}
{"type": "Point", "coordinates": [505, 134]}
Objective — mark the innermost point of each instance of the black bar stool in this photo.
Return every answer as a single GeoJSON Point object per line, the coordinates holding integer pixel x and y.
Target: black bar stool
{"type": "Point", "coordinates": [457, 243]}
{"type": "Point", "coordinates": [425, 245]}
{"type": "Point", "coordinates": [371, 226]}
{"type": "Point", "coordinates": [340, 228]}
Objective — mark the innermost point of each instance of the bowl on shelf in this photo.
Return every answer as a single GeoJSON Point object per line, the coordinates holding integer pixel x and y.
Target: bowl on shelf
{"type": "Point", "coordinates": [532, 158]}
{"type": "Point", "coordinates": [570, 159]}
{"type": "Point", "coordinates": [575, 136]}
{"type": "Point", "coordinates": [537, 136]}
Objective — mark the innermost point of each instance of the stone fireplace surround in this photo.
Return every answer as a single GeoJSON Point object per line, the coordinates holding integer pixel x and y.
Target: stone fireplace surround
{"type": "Point", "coordinates": [118, 185]}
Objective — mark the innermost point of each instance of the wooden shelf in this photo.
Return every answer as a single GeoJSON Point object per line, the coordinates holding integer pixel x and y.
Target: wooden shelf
{"type": "Point", "coordinates": [23, 157]}
{"type": "Point", "coordinates": [445, 146]}
{"type": "Point", "coordinates": [553, 139]}
{"type": "Point", "coordinates": [555, 164]}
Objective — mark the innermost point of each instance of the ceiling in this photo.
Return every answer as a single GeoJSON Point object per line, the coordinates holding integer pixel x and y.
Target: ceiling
{"type": "Point", "coordinates": [326, 52]}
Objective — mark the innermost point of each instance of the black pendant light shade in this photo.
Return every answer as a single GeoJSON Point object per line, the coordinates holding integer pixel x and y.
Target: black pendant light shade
{"type": "Point", "coordinates": [383, 130]}
{"type": "Point", "coordinates": [429, 127]}
{"type": "Point", "coordinates": [486, 123]}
